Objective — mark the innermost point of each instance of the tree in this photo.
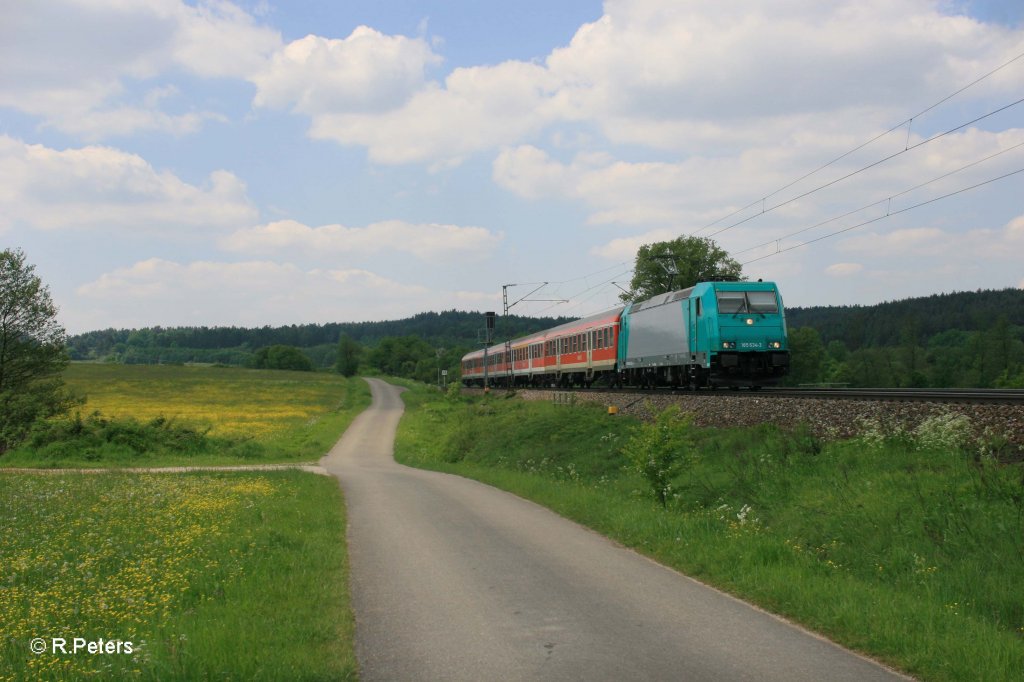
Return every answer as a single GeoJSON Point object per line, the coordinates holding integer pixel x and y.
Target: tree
{"type": "Point", "coordinates": [807, 354]}
{"type": "Point", "coordinates": [693, 259]}
{"type": "Point", "coordinates": [32, 353]}
{"type": "Point", "coordinates": [348, 356]}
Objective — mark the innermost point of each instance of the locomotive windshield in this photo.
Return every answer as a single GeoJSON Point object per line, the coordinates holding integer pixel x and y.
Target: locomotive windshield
{"type": "Point", "coordinates": [739, 302]}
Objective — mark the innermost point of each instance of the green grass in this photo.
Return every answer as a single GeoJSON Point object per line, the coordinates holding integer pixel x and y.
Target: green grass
{"type": "Point", "coordinates": [210, 576]}
{"type": "Point", "coordinates": [914, 557]}
{"type": "Point", "coordinates": [177, 415]}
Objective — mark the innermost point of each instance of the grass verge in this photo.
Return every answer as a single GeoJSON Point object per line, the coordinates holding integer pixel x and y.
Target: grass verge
{"type": "Point", "coordinates": [143, 415]}
{"type": "Point", "coordinates": [911, 555]}
{"type": "Point", "coordinates": [209, 576]}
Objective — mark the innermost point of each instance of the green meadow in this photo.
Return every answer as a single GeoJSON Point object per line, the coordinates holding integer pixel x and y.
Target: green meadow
{"type": "Point", "coordinates": [209, 575]}
{"type": "Point", "coordinates": [908, 547]}
{"type": "Point", "coordinates": [236, 576]}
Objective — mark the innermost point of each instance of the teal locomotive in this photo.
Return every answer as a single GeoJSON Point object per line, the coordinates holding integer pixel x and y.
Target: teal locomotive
{"type": "Point", "coordinates": [712, 334]}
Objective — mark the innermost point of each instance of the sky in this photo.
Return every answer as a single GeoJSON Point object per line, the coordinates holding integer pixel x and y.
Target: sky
{"type": "Point", "coordinates": [257, 163]}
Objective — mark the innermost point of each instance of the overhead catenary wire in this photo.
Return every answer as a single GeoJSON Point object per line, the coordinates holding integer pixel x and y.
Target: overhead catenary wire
{"type": "Point", "coordinates": [883, 217]}
{"type": "Point", "coordinates": [906, 122]}
{"type": "Point", "coordinates": [869, 166]}
{"type": "Point", "coordinates": [882, 201]}
{"type": "Point", "coordinates": [598, 286]}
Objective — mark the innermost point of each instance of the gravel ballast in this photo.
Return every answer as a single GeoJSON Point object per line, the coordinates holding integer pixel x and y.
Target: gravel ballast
{"type": "Point", "coordinates": [829, 419]}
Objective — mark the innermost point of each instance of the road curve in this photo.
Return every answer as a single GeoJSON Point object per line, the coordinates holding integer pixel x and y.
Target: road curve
{"type": "Point", "coordinates": [456, 580]}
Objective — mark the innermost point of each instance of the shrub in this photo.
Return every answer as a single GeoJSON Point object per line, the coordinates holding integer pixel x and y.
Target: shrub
{"type": "Point", "coordinates": [657, 451]}
{"type": "Point", "coordinates": [281, 357]}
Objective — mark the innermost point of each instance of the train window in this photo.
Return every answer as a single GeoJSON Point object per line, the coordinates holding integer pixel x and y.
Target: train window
{"type": "Point", "coordinates": [747, 302]}
{"type": "Point", "coordinates": [585, 338]}
{"type": "Point", "coordinates": [762, 302]}
{"type": "Point", "coordinates": [698, 307]}
{"type": "Point", "coordinates": [732, 302]}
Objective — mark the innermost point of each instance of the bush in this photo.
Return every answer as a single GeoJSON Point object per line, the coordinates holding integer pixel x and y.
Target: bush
{"type": "Point", "coordinates": [658, 451]}
{"type": "Point", "coordinates": [282, 357]}
{"type": "Point", "coordinates": [96, 437]}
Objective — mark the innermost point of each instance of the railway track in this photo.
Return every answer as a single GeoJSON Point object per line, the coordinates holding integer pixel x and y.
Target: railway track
{"type": "Point", "coordinates": [992, 396]}
{"type": "Point", "coordinates": [932, 395]}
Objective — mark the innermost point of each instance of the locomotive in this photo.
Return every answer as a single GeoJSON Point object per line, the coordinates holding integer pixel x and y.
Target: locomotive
{"type": "Point", "coordinates": [712, 334]}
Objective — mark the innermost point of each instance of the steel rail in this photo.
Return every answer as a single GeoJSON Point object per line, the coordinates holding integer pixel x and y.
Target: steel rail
{"type": "Point", "coordinates": [941, 395]}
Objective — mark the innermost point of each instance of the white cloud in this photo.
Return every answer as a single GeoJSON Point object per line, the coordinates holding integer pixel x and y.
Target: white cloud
{"type": "Point", "coordinates": [625, 248]}
{"type": "Point", "coordinates": [105, 188]}
{"type": "Point", "coordinates": [687, 76]}
{"type": "Point", "coordinates": [685, 195]}
{"type": "Point", "coordinates": [366, 72]}
{"type": "Point", "coordinates": [73, 63]}
{"type": "Point", "coordinates": [251, 293]}
{"type": "Point", "coordinates": [477, 108]}
{"type": "Point", "coordinates": [897, 242]}
{"type": "Point", "coordinates": [1015, 229]}
{"type": "Point", "coordinates": [425, 241]}
{"type": "Point", "coordinates": [655, 62]}
{"type": "Point", "coordinates": [844, 269]}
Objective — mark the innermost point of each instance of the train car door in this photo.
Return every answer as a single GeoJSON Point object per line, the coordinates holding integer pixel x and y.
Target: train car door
{"type": "Point", "coordinates": [694, 313]}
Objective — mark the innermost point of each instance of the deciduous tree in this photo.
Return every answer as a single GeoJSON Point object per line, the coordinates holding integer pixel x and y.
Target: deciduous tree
{"type": "Point", "coordinates": [32, 353]}
{"type": "Point", "coordinates": [677, 264]}
{"type": "Point", "coordinates": [348, 356]}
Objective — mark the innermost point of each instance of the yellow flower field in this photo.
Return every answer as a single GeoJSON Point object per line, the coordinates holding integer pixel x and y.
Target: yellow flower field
{"type": "Point", "coordinates": [107, 556]}
{"type": "Point", "coordinates": [230, 401]}
{"type": "Point", "coordinates": [172, 566]}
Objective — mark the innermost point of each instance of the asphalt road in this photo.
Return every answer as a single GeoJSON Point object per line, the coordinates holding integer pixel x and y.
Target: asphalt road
{"type": "Point", "coordinates": [455, 580]}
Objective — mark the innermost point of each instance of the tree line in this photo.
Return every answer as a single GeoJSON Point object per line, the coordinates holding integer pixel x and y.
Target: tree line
{"type": "Point", "coordinates": [238, 345]}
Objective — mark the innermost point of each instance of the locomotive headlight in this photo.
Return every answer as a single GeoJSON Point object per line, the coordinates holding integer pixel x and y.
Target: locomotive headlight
{"type": "Point", "coordinates": [775, 344]}
{"type": "Point", "coordinates": [728, 344]}
{"type": "Point", "coordinates": [750, 320]}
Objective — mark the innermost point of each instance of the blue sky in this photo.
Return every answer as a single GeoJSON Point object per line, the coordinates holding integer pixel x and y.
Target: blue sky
{"type": "Point", "coordinates": [263, 163]}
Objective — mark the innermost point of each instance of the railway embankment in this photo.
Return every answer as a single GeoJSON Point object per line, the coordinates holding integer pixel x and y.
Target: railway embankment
{"type": "Point", "coordinates": [827, 418]}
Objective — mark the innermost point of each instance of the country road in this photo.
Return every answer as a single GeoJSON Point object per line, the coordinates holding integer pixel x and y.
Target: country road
{"type": "Point", "coordinates": [455, 580]}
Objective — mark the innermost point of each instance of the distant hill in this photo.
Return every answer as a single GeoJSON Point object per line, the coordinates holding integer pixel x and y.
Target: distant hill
{"type": "Point", "coordinates": [235, 345]}
{"type": "Point", "coordinates": [889, 323]}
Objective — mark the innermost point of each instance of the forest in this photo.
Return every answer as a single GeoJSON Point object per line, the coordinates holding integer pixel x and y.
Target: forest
{"type": "Point", "coordinates": [416, 347]}
{"type": "Point", "coordinates": [961, 339]}
{"type": "Point", "coordinates": [958, 339]}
